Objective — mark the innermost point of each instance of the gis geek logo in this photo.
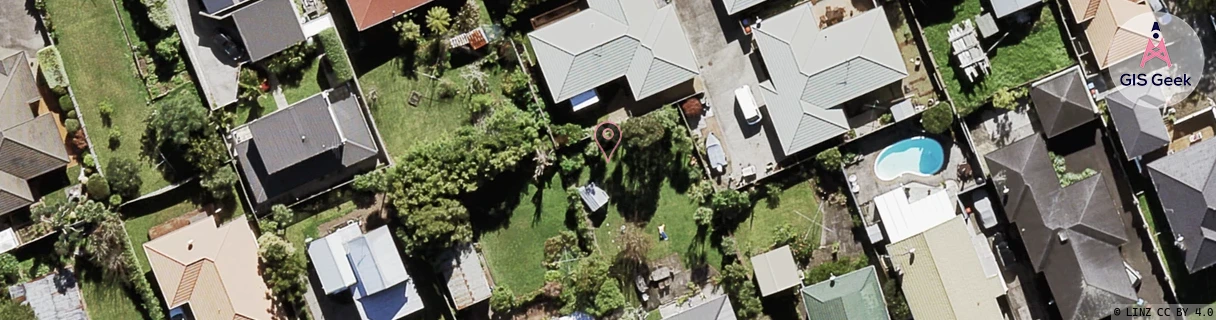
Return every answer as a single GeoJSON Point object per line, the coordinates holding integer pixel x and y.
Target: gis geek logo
{"type": "Point", "coordinates": [1155, 49]}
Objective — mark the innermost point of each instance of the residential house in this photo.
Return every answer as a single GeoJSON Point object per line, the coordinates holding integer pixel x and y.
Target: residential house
{"type": "Point", "coordinates": [1136, 113]}
{"type": "Point", "coordinates": [735, 6]}
{"type": "Point", "coordinates": [31, 144]}
{"type": "Point", "coordinates": [369, 268]}
{"type": "Point", "coordinates": [1185, 184]}
{"type": "Point", "coordinates": [369, 13]}
{"type": "Point", "coordinates": [814, 71]}
{"type": "Point", "coordinates": [640, 40]}
{"type": "Point", "coordinates": [1072, 234]}
{"type": "Point", "coordinates": [313, 145]}
{"type": "Point", "coordinates": [1004, 8]}
{"type": "Point", "coordinates": [1062, 101]}
{"type": "Point", "coordinates": [855, 295]}
{"type": "Point", "coordinates": [1116, 29]}
{"type": "Point", "coordinates": [948, 272]}
{"type": "Point", "coordinates": [717, 308]}
{"type": "Point", "coordinates": [211, 272]}
{"type": "Point", "coordinates": [776, 271]}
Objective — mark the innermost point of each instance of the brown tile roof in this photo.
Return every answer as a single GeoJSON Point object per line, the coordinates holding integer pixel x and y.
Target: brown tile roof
{"type": "Point", "coordinates": [368, 13]}
{"type": "Point", "coordinates": [214, 269]}
{"type": "Point", "coordinates": [1119, 31]}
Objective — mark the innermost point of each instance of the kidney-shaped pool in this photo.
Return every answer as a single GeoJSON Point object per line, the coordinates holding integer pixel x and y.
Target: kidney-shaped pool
{"type": "Point", "coordinates": [920, 156]}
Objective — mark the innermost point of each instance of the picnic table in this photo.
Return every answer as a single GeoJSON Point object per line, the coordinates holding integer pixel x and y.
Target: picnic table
{"type": "Point", "coordinates": [965, 45]}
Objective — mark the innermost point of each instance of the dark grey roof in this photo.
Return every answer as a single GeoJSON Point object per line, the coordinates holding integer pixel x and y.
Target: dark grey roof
{"type": "Point", "coordinates": [14, 193]}
{"type": "Point", "coordinates": [267, 27]}
{"type": "Point", "coordinates": [17, 89]}
{"type": "Point", "coordinates": [273, 159]}
{"type": "Point", "coordinates": [29, 146]}
{"type": "Point", "coordinates": [1187, 189]}
{"type": "Point", "coordinates": [1136, 112]}
{"type": "Point", "coordinates": [1071, 234]}
{"type": "Point", "coordinates": [300, 132]}
{"type": "Point", "coordinates": [213, 6]}
{"type": "Point", "coordinates": [1062, 102]}
{"type": "Point", "coordinates": [715, 309]}
{"type": "Point", "coordinates": [1003, 8]}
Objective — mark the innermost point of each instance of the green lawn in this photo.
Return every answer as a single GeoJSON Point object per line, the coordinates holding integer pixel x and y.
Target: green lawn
{"type": "Point", "coordinates": [105, 299]}
{"type": "Point", "coordinates": [1024, 55]}
{"type": "Point", "coordinates": [137, 228]}
{"type": "Point", "coordinates": [307, 227]}
{"type": "Point", "coordinates": [99, 65]}
{"type": "Point", "coordinates": [309, 84]}
{"type": "Point", "coordinates": [515, 252]}
{"type": "Point", "coordinates": [402, 125]}
{"type": "Point", "coordinates": [797, 206]}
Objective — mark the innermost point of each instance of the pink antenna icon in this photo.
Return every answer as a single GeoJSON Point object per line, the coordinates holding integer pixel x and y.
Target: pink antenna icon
{"type": "Point", "coordinates": [1156, 49]}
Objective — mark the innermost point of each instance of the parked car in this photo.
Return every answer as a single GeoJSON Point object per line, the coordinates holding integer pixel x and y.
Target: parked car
{"type": "Point", "coordinates": [747, 102]}
{"type": "Point", "coordinates": [230, 47]}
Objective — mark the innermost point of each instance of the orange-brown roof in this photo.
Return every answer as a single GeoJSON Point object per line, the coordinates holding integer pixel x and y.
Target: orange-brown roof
{"type": "Point", "coordinates": [368, 13]}
{"type": "Point", "coordinates": [1119, 30]}
{"type": "Point", "coordinates": [214, 269]}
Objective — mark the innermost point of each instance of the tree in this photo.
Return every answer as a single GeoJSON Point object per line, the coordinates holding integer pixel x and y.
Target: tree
{"type": "Point", "coordinates": [635, 244]}
{"type": "Point", "coordinates": [284, 269]}
{"type": "Point", "coordinates": [830, 159]}
{"type": "Point", "coordinates": [735, 279]}
{"type": "Point", "coordinates": [937, 119]}
{"type": "Point", "coordinates": [469, 16]}
{"type": "Point", "coordinates": [280, 217]}
{"type": "Point", "coordinates": [219, 184]}
{"type": "Point", "coordinates": [107, 247]}
{"type": "Point", "coordinates": [375, 181]}
{"type": "Point", "coordinates": [408, 31]}
{"type": "Point", "coordinates": [97, 187]}
{"type": "Point", "coordinates": [178, 118]}
{"type": "Point", "coordinates": [438, 20]}
{"type": "Point", "coordinates": [704, 217]}
{"type": "Point", "coordinates": [641, 133]}
{"type": "Point", "coordinates": [10, 269]}
{"type": "Point", "coordinates": [438, 226]}
{"type": "Point", "coordinates": [503, 299]}
{"type": "Point", "coordinates": [291, 60]}
{"type": "Point", "coordinates": [608, 298]}
{"type": "Point", "coordinates": [206, 152]}
{"type": "Point", "coordinates": [124, 177]}
{"type": "Point", "coordinates": [729, 203]}
{"type": "Point", "coordinates": [1007, 98]}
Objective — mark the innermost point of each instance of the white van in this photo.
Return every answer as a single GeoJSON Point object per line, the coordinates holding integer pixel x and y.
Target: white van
{"type": "Point", "coordinates": [747, 102]}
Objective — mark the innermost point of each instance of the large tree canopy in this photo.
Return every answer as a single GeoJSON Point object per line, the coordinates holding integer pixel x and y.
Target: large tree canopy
{"type": "Point", "coordinates": [178, 117]}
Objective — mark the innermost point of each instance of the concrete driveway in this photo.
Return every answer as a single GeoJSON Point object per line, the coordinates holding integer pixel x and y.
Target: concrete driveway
{"type": "Point", "coordinates": [217, 73]}
{"type": "Point", "coordinates": [20, 28]}
{"type": "Point", "coordinates": [720, 47]}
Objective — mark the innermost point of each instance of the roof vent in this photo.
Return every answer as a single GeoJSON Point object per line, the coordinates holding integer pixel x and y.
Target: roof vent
{"type": "Point", "coordinates": [1178, 242]}
{"type": "Point", "coordinates": [303, 138]}
{"type": "Point", "coordinates": [190, 244]}
{"type": "Point", "coordinates": [1063, 237]}
{"type": "Point", "coordinates": [832, 280]}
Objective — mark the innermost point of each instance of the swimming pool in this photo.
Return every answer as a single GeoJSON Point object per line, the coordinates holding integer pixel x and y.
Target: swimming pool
{"type": "Point", "coordinates": [920, 156]}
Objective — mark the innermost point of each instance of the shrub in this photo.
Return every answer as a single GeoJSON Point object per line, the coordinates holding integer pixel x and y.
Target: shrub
{"type": "Point", "coordinates": [572, 132]}
{"type": "Point", "coordinates": [438, 20]}
{"type": "Point", "coordinates": [98, 188]}
{"type": "Point", "coordinates": [830, 159]}
{"type": "Point", "coordinates": [66, 105]}
{"type": "Point", "coordinates": [571, 165]}
{"type": "Point", "coordinates": [839, 267]}
{"type": "Point", "coordinates": [937, 119]}
{"type": "Point", "coordinates": [167, 48]}
{"type": "Point", "coordinates": [408, 31]}
{"type": "Point", "coordinates": [703, 216]}
{"type": "Point", "coordinates": [90, 161]}
{"type": "Point", "coordinates": [10, 269]}
{"type": "Point", "coordinates": [124, 177]}
{"type": "Point", "coordinates": [72, 125]}
{"type": "Point", "coordinates": [468, 17]}
{"type": "Point", "coordinates": [515, 85]}
{"type": "Point", "coordinates": [51, 65]}
{"type": "Point", "coordinates": [115, 200]}
{"type": "Point", "coordinates": [336, 53]}
{"type": "Point", "coordinates": [608, 298]}
{"type": "Point", "coordinates": [730, 246]}
{"type": "Point", "coordinates": [72, 114]}
{"type": "Point", "coordinates": [159, 14]}
{"type": "Point", "coordinates": [1007, 98]}
{"type": "Point", "coordinates": [558, 246]}
{"type": "Point", "coordinates": [115, 138]}
{"type": "Point", "coordinates": [729, 203]}
{"type": "Point", "coordinates": [886, 118]}
{"type": "Point", "coordinates": [291, 60]}
{"type": "Point", "coordinates": [447, 89]}
{"type": "Point", "coordinates": [372, 182]}
{"type": "Point", "coordinates": [480, 104]}
{"type": "Point", "coordinates": [503, 299]}
{"type": "Point", "coordinates": [692, 107]}
{"type": "Point", "coordinates": [220, 182]}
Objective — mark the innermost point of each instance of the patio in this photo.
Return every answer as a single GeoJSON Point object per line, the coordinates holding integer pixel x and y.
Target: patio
{"type": "Point", "coordinates": [1187, 131]}
{"type": "Point", "coordinates": [994, 128]}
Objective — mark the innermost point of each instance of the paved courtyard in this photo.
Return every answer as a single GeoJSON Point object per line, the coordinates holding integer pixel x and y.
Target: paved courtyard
{"type": "Point", "coordinates": [993, 128]}
{"type": "Point", "coordinates": [22, 29]}
{"type": "Point", "coordinates": [217, 73]}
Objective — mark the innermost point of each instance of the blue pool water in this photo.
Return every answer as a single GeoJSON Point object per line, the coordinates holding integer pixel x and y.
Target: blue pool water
{"type": "Point", "coordinates": [917, 155]}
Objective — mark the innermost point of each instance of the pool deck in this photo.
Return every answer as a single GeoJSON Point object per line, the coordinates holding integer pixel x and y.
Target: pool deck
{"type": "Point", "coordinates": [870, 186]}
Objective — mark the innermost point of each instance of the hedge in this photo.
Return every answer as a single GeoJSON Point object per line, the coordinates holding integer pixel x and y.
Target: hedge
{"type": "Point", "coordinates": [52, 68]}
{"type": "Point", "coordinates": [337, 55]}
{"type": "Point", "coordinates": [159, 14]}
{"type": "Point", "coordinates": [937, 119]}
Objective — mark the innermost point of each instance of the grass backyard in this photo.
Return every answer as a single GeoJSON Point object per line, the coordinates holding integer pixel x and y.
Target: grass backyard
{"type": "Point", "coordinates": [797, 206]}
{"type": "Point", "coordinates": [307, 227]}
{"type": "Point", "coordinates": [99, 65]}
{"type": "Point", "coordinates": [105, 299]}
{"type": "Point", "coordinates": [137, 228]}
{"type": "Point", "coordinates": [402, 125]}
{"type": "Point", "coordinates": [515, 251]}
{"type": "Point", "coordinates": [1023, 55]}
{"type": "Point", "coordinates": [309, 84]}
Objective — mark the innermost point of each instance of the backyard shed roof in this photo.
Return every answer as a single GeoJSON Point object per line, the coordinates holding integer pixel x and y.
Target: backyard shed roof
{"type": "Point", "coordinates": [594, 197]}
{"type": "Point", "coordinates": [376, 262]}
{"type": "Point", "coordinates": [29, 145]}
{"type": "Point", "coordinates": [855, 295]}
{"type": "Point", "coordinates": [53, 297]}
{"type": "Point", "coordinates": [1004, 8]}
{"type": "Point", "coordinates": [466, 279]}
{"type": "Point", "coordinates": [814, 71]}
{"type": "Point", "coordinates": [776, 271]}
{"type": "Point", "coordinates": [1186, 186]}
{"type": "Point", "coordinates": [736, 6]}
{"type": "Point", "coordinates": [902, 219]}
{"type": "Point", "coordinates": [214, 269]}
{"type": "Point", "coordinates": [368, 13]}
{"type": "Point", "coordinates": [268, 26]}
{"type": "Point", "coordinates": [1065, 230]}
{"type": "Point", "coordinates": [718, 308]}
{"type": "Point", "coordinates": [635, 39]}
{"type": "Point", "coordinates": [943, 277]}
{"type": "Point", "coordinates": [328, 257]}
{"type": "Point", "coordinates": [1062, 101]}
{"type": "Point", "coordinates": [1119, 30]}
{"type": "Point", "coordinates": [1136, 112]}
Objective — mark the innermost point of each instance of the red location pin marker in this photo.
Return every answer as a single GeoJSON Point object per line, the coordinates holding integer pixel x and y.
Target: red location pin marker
{"type": "Point", "coordinates": [607, 137]}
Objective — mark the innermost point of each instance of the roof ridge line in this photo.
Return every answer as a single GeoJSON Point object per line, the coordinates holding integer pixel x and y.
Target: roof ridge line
{"type": "Point", "coordinates": [805, 113]}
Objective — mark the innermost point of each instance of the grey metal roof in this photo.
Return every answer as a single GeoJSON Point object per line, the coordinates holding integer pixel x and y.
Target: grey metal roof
{"type": "Point", "coordinates": [466, 278]}
{"type": "Point", "coordinates": [634, 39]}
{"type": "Point", "coordinates": [267, 27]}
{"type": "Point", "coordinates": [735, 6]}
{"type": "Point", "coordinates": [593, 196]}
{"type": "Point", "coordinates": [328, 256]}
{"type": "Point", "coordinates": [855, 295]}
{"type": "Point", "coordinates": [715, 309]}
{"type": "Point", "coordinates": [1062, 101]}
{"type": "Point", "coordinates": [298, 133]}
{"type": "Point", "coordinates": [1136, 112]}
{"type": "Point", "coordinates": [51, 300]}
{"type": "Point", "coordinates": [1186, 186]}
{"type": "Point", "coordinates": [326, 148]}
{"type": "Point", "coordinates": [375, 261]}
{"type": "Point", "coordinates": [1072, 234]}
{"type": "Point", "coordinates": [814, 71]}
{"type": "Point", "coordinates": [1003, 8]}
